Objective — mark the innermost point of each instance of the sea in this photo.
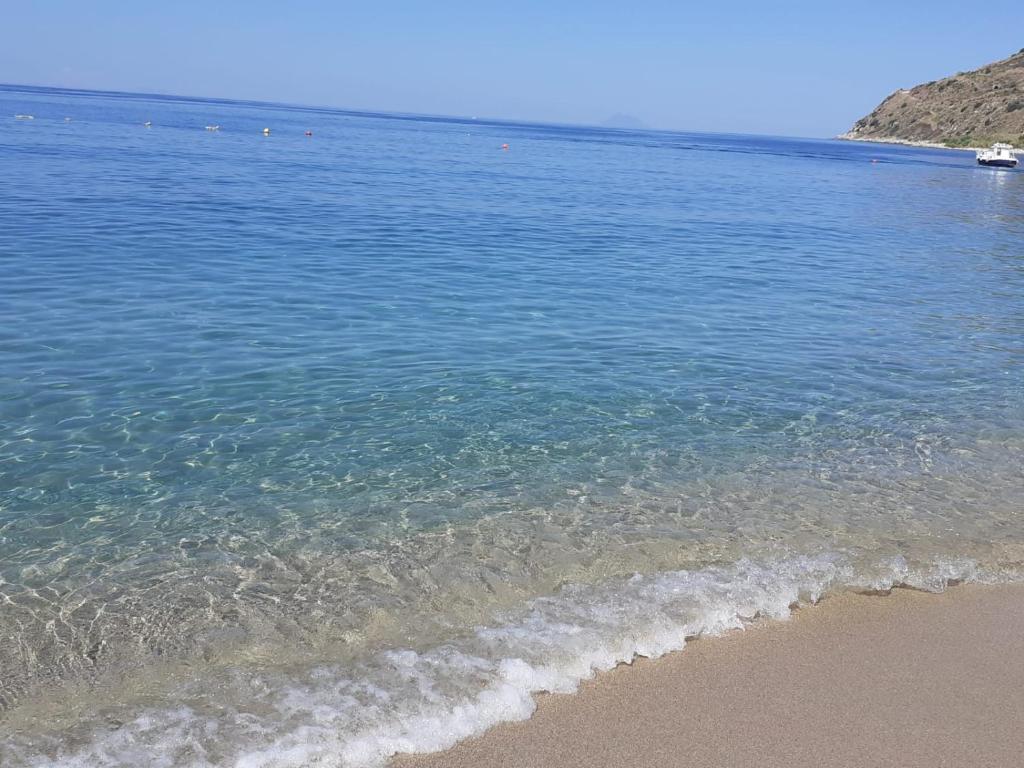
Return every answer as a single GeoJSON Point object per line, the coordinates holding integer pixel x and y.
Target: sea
{"type": "Point", "coordinates": [319, 448]}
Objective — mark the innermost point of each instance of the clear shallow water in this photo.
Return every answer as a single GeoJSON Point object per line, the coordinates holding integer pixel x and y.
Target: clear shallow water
{"type": "Point", "coordinates": [328, 447]}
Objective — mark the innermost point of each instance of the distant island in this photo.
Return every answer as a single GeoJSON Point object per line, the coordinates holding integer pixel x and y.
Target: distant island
{"type": "Point", "coordinates": [620, 120]}
{"type": "Point", "coordinates": [968, 109]}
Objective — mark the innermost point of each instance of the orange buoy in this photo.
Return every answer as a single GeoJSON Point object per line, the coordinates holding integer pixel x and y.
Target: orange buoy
{"type": "Point", "coordinates": [505, 147]}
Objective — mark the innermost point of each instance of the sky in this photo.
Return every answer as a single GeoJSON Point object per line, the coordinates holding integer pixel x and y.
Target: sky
{"type": "Point", "coordinates": [781, 68]}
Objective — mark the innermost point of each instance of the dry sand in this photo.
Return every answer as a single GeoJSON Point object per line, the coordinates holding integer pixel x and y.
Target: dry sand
{"type": "Point", "coordinates": [909, 679]}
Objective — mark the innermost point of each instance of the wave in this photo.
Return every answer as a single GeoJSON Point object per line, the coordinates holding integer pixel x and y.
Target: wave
{"type": "Point", "coordinates": [408, 701]}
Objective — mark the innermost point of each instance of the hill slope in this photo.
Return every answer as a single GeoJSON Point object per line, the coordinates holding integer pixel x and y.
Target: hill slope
{"type": "Point", "coordinates": [968, 109]}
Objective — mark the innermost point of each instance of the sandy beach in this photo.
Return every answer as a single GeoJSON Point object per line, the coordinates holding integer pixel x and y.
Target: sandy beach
{"type": "Point", "coordinates": [907, 679]}
{"type": "Point", "coordinates": [378, 431]}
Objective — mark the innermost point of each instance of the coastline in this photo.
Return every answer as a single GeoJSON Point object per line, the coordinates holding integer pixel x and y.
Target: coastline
{"type": "Point", "coordinates": [906, 143]}
{"type": "Point", "coordinates": [909, 678]}
{"type": "Point", "coordinates": [444, 460]}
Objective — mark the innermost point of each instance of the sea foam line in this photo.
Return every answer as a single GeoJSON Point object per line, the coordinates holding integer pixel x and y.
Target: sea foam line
{"type": "Point", "coordinates": [424, 702]}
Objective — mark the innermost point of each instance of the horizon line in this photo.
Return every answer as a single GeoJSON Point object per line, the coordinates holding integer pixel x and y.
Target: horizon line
{"type": "Point", "coordinates": [386, 113]}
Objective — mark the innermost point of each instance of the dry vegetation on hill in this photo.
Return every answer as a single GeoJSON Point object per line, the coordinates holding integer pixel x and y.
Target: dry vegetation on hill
{"type": "Point", "coordinates": [968, 109]}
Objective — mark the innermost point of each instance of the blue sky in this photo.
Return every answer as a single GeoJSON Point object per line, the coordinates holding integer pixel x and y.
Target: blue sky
{"type": "Point", "coordinates": [785, 68]}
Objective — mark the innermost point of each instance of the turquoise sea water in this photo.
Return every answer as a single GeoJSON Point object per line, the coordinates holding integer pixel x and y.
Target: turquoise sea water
{"type": "Point", "coordinates": [323, 448]}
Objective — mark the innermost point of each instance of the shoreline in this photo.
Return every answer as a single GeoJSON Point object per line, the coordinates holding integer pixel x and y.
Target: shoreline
{"type": "Point", "coordinates": [909, 678]}
{"type": "Point", "coordinates": [907, 143]}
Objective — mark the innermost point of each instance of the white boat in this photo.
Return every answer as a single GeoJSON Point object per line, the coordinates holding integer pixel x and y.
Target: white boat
{"type": "Point", "coordinates": [999, 156]}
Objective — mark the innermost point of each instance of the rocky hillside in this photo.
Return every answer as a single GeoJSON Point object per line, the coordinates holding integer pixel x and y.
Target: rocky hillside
{"type": "Point", "coordinates": [968, 109]}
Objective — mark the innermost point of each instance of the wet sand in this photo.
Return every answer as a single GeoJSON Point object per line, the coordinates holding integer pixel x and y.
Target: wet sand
{"type": "Point", "coordinates": [909, 679]}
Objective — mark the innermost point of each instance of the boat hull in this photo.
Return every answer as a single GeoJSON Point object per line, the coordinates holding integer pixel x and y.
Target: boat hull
{"type": "Point", "coordinates": [998, 163]}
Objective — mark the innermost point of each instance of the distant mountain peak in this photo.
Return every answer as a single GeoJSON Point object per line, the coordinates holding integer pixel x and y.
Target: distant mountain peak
{"type": "Point", "coordinates": [620, 120]}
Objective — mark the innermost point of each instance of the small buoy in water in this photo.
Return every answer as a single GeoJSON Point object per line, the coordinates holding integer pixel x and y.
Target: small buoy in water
{"type": "Point", "coordinates": [266, 131]}
{"type": "Point", "coordinates": [505, 147]}
{"type": "Point", "coordinates": [148, 124]}
{"type": "Point", "coordinates": [309, 133]}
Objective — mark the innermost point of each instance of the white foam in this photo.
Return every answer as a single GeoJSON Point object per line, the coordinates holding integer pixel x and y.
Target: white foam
{"type": "Point", "coordinates": [404, 701]}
